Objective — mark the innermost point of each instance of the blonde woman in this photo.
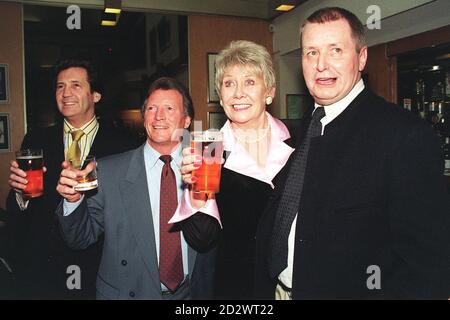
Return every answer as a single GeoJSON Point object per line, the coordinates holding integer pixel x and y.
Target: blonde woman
{"type": "Point", "coordinates": [257, 146]}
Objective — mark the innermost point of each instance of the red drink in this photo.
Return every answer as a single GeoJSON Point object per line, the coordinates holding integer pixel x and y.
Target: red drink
{"type": "Point", "coordinates": [32, 163]}
{"type": "Point", "coordinates": [210, 147]}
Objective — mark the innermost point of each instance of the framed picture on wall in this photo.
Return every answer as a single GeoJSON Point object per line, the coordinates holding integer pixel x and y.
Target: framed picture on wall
{"type": "Point", "coordinates": [5, 137]}
{"type": "Point", "coordinates": [297, 105]}
{"type": "Point", "coordinates": [4, 84]}
{"type": "Point", "coordinates": [212, 94]}
{"type": "Point", "coordinates": [216, 120]}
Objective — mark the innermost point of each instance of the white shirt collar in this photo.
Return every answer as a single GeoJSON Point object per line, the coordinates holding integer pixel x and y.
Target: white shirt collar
{"type": "Point", "coordinates": [332, 111]}
{"type": "Point", "coordinates": [278, 131]}
{"type": "Point", "coordinates": [152, 156]}
{"type": "Point", "coordinates": [241, 162]}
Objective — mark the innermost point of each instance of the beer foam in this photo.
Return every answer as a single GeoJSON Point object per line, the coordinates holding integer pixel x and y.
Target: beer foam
{"type": "Point", "coordinates": [206, 136]}
{"type": "Point", "coordinates": [205, 139]}
{"type": "Point", "coordinates": [28, 157]}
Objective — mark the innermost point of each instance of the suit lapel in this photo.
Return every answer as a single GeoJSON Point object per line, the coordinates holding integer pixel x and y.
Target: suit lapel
{"type": "Point", "coordinates": [55, 146]}
{"type": "Point", "coordinates": [345, 118]}
{"type": "Point", "coordinates": [136, 200]}
{"type": "Point", "coordinates": [59, 144]}
{"type": "Point", "coordinates": [100, 146]}
{"type": "Point", "coordinates": [53, 157]}
{"type": "Point", "coordinates": [96, 144]}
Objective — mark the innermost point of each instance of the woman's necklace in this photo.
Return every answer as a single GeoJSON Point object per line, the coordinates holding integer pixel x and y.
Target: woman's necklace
{"type": "Point", "coordinates": [266, 130]}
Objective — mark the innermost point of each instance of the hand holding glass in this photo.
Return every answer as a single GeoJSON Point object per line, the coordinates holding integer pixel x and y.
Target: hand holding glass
{"type": "Point", "coordinates": [88, 181]}
{"type": "Point", "coordinates": [32, 162]}
{"type": "Point", "coordinates": [209, 145]}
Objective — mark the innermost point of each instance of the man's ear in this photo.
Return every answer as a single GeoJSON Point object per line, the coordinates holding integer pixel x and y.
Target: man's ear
{"type": "Point", "coordinates": [187, 122]}
{"type": "Point", "coordinates": [97, 97]}
{"type": "Point", "coordinates": [362, 58]}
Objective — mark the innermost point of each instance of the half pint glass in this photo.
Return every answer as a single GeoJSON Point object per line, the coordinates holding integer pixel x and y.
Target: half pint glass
{"type": "Point", "coordinates": [208, 145]}
{"type": "Point", "coordinates": [32, 162]}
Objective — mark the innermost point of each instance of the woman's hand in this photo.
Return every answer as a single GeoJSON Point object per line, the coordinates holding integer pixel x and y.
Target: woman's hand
{"type": "Point", "coordinates": [191, 162]}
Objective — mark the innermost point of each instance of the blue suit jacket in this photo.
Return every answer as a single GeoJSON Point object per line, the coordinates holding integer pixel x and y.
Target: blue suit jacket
{"type": "Point", "coordinates": [121, 209]}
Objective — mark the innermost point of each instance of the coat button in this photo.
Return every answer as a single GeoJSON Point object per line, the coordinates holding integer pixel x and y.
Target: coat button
{"type": "Point", "coordinates": [132, 294]}
{"type": "Point", "coordinates": [124, 262]}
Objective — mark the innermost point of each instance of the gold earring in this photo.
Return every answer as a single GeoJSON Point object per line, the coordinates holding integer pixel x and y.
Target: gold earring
{"type": "Point", "coordinates": [269, 100]}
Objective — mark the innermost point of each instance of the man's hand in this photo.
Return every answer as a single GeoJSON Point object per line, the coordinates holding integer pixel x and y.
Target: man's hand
{"type": "Point", "coordinates": [17, 178]}
{"type": "Point", "coordinates": [68, 179]}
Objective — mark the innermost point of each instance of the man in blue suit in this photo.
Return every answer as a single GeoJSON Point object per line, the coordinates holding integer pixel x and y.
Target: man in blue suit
{"type": "Point", "coordinates": [129, 208]}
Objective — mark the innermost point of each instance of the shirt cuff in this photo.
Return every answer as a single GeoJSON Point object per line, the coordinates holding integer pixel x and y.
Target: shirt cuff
{"type": "Point", "coordinates": [185, 209]}
{"type": "Point", "coordinates": [23, 204]}
{"type": "Point", "coordinates": [69, 207]}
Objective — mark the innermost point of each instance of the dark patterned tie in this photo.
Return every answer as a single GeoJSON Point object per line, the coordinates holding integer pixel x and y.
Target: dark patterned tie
{"type": "Point", "coordinates": [170, 261]}
{"type": "Point", "coordinates": [290, 199]}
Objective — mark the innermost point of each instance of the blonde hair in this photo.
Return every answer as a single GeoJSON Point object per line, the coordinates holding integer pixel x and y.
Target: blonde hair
{"type": "Point", "coordinates": [247, 54]}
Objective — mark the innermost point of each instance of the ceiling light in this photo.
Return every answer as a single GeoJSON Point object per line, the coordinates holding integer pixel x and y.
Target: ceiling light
{"type": "Point", "coordinates": [113, 6]}
{"type": "Point", "coordinates": [108, 23]}
{"type": "Point", "coordinates": [109, 19]}
{"type": "Point", "coordinates": [112, 10]}
{"type": "Point", "coordinates": [285, 7]}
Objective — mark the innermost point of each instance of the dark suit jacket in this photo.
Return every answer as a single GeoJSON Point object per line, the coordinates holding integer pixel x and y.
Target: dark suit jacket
{"type": "Point", "coordinates": [40, 256]}
{"type": "Point", "coordinates": [121, 210]}
{"type": "Point", "coordinates": [373, 194]}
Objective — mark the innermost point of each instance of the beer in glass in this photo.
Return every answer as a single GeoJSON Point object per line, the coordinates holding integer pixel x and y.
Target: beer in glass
{"type": "Point", "coordinates": [32, 162]}
{"type": "Point", "coordinates": [89, 181]}
{"type": "Point", "coordinates": [209, 145]}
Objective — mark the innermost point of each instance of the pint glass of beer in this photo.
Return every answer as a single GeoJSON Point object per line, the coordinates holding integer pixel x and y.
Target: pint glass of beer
{"type": "Point", "coordinates": [209, 145]}
{"type": "Point", "coordinates": [32, 162]}
{"type": "Point", "coordinates": [89, 181]}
